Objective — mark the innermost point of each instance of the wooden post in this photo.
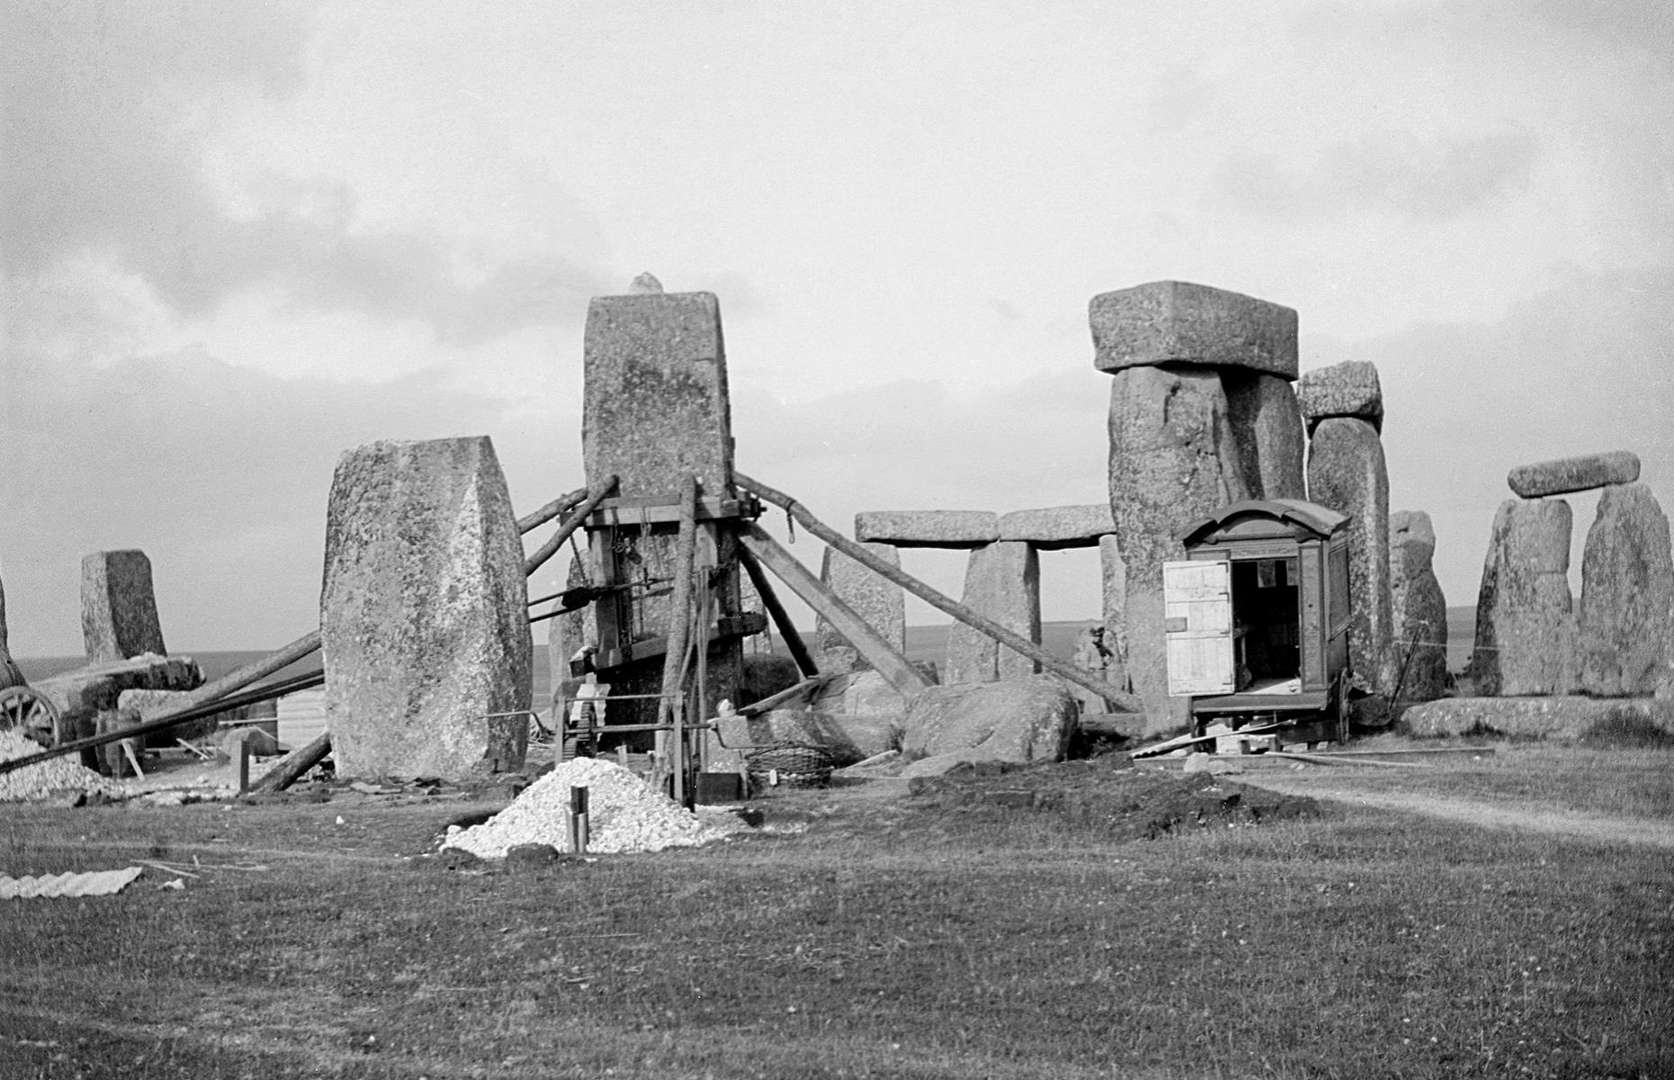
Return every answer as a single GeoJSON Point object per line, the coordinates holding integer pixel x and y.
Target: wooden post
{"type": "Point", "coordinates": [776, 611]}
{"type": "Point", "coordinates": [1118, 698]}
{"type": "Point", "coordinates": [595, 495]}
{"type": "Point", "coordinates": [294, 764]}
{"type": "Point", "coordinates": [679, 629]}
{"type": "Point", "coordinates": [892, 665]}
{"type": "Point", "coordinates": [550, 510]}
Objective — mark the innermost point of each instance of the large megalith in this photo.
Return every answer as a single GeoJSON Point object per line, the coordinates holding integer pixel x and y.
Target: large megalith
{"type": "Point", "coordinates": [1002, 581]}
{"type": "Point", "coordinates": [1418, 610]}
{"type": "Point", "coordinates": [876, 599]}
{"type": "Point", "coordinates": [1267, 427]}
{"type": "Point", "coordinates": [1525, 625]}
{"type": "Point", "coordinates": [118, 606]}
{"type": "Point", "coordinates": [423, 619]}
{"type": "Point", "coordinates": [1028, 719]}
{"type": "Point", "coordinates": [10, 675]}
{"type": "Point", "coordinates": [1626, 617]}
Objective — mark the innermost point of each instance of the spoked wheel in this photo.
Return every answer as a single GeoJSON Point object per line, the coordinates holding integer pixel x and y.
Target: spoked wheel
{"type": "Point", "coordinates": [30, 713]}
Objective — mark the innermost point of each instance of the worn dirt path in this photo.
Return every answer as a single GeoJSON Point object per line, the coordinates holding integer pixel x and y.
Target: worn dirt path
{"type": "Point", "coordinates": [1602, 828]}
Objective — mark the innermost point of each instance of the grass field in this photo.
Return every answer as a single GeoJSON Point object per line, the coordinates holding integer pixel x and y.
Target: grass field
{"type": "Point", "coordinates": [854, 935]}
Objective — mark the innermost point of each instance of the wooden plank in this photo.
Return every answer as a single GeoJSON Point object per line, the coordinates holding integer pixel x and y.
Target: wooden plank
{"type": "Point", "coordinates": [892, 665]}
{"type": "Point", "coordinates": [770, 600]}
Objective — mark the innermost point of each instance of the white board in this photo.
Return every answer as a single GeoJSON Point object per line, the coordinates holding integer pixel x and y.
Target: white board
{"type": "Point", "coordinates": [1197, 619]}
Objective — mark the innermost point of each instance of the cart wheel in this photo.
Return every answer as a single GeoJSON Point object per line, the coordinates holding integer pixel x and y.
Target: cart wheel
{"type": "Point", "coordinates": [30, 713]}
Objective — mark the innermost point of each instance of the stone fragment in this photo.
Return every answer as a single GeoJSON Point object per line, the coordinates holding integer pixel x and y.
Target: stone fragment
{"type": "Point", "coordinates": [1525, 625]}
{"type": "Point", "coordinates": [1347, 473]}
{"type": "Point", "coordinates": [1023, 720]}
{"type": "Point", "coordinates": [1177, 322]}
{"type": "Point", "coordinates": [1418, 610]}
{"type": "Point", "coordinates": [873, 597]}
{"type": "Point", "coordinates": [927, 528]}
{"type": "Point", "coordinates": [1348, 389]}
{"type": "Point", "coordinates": [1558, 718]}
{"type": "Point", "coordinates": [1626, 614]}
{"type": "Point", "coordinates": [1059, 527]}
{"type": "Point", "coordinates": [423, 619]}
{"type": "Point", "coordinates": [1171, 463]}
{"type": "Point", "coordinates": [1002, 581]}
{"type": "Point", "coordinates": [1581, 473]}
{"type": "Point", "coordinates": [118, 608]}
{"type": "Point", "coordinates": [1267, 429]}
{"type": "Point", "coordinates": [655, 404]}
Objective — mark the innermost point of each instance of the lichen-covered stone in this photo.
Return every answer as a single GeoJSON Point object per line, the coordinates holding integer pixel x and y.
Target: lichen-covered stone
{"type": "Point", "coordinates": [1002, 581]}
{"type": "Point", "coordinates": [1347, 473]}
{"type": "Point", "coordinates": [1178, 322]}
{"type": "Point", "coordinates": [1059, 527]}
{"type": "Point", "coordinates": [1557, 719]}
{"type": "Point", "coordinates": [1172, 461]}
{"type": "Point", "coordinates": [1347, 389]}
{"type": "Point", "coordinates": [423, 619]}
{"type": "Point", "coordinates": [1267, 430]}
{"type": "Point", "coordinates": [1113, 580]}
{"type": "Point", "coordinates": [1029, 719]}
{"type": "Point", "coordinates": [928, 528]}
{"type": "Point", "coordinates": [118, 606]}
{"type": "Point", "coordinates": [873, 597]}
{"type": "Point", "coordinates": [1525, 624]}
{"type": "Point", "coordinates": [81, 694]}
{"type": "Point", "coordinates": [1580, 473]}
{"type": "Point", "coordinates": [1627, 595]}
{"type": "Point", "coordinates": [1418, 610]}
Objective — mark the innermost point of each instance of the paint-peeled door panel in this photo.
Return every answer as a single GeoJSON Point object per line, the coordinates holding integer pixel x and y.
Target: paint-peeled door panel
{"type": "Point", "coordinates": [1197, 619]}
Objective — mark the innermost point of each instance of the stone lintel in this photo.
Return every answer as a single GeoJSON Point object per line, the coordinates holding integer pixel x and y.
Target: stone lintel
{"type": "Point", "coordinates": [927, 528]}
{"type": "Point", "coordinates": [1350, 388]}
{"type": "Point", "coordinates": [1584, 472]}
{"type": "Point", "coordinates": [1178, 322]}
{"type": "Point", "coordinates": [1058, 527]}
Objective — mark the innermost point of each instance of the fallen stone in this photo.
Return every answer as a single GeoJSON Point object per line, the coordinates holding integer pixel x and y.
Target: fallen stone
{"type": "Point", "coordinates": [1559, 718]}
{"type": "Point", "coordinates": [1418, 610]}
{"type": "Point", "coordinates": [423, 613]}
{"type": "Point", "coordinates": [1581, 473]}
{"type": "Point", "coordinates": [1349, 389]}
{"type": "Point", "coordinates": [870, 712]}
{"type": "Point", "coordinates": [1172, 461]}
{"type": "Point", "coordinates": [1059, 527]}
{"type": "Point", "coordinates": [1177, 322]}
{"type": "Point", "coordinates": [80, 695]}
{"type": "Point", "coordinates": [927, 528]}
{"type": "Point", "coordinates": [118, 608]}
{"type": "Point", "coordinates": [1002, 581]}
{"type": "Point", "coordinates": [1626, 618]}
{"type": "Point", "coordinates": [1347, 473]}
{"type": "Point", "coordinates": [1028, 719]}
{"type": "Point", "coordinates": [877, 600]}
{"type": "Point", "coordinates": [152, 704]}
{"type": "Point", "coordinates": [1214, 764]}
{"type": "Point", "coordinates": [1267, 428]}
{"type": "Point", "coordinates": [1525, 625]}
{"type": "Point", "coordinates": [527, 858]}
{"type": "Point", "coordinates": [791, 727]}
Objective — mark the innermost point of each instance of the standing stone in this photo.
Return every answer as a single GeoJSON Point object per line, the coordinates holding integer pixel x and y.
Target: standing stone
{"type": "Point", "coordinates": [567, 634]}
{"type": "Point", "coordinates": [1172, 461]}
{"type": "Point", "coordinates": [1348, 474]}
{"type": "Point", "coordinates": [1178, 322]}
{"type": "Point", "coordinates": [1525, 628]}
{"type": "Point", "coordinates": [1002, 581]}
{"type": "Point", "coordinates": [1058, 528]}
{"type": "Point", "coordinates": [1627, 595]}
{"type": "Point", "coordinates": [1418, 610]}
{"type": "Point", "coordinates": [118, 608]}
{"type": "Point", "coordinates": [1347, 389]}
{"type": "Point", "coordinates": [1574, 474]}
{"type": "Point", "coordinates": [1113, 574]}
{"type": "Point", "coordinates": [1267, 429]}
{"type": "Point", "coordinates": [423, 619]}
{"type": "Point", "coordinates": [875, 599]}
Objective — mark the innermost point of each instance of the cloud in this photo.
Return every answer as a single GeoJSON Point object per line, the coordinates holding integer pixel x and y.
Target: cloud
{"type": "Point", "coordinates": [1395, 174]}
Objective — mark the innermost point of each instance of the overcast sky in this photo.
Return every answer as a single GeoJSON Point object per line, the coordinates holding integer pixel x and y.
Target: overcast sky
{"type": "Point", "coordinates": [239, 239]}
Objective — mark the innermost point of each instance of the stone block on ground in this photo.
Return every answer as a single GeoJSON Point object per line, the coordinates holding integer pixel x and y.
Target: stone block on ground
{"type": "Point", "coordinates": [1582, 473]}
{"type": "Point", "coordinates": [927, 528]}
{"type": "Point", "coordinates": [1558, 718]}
{"type": "Point", "coordinates": [118, 606]}
{"type": "Point", "coordinates": [1525, 623]}
{"type": "Point", "coordinates": [1418, 610]}
{"type": "Point", "coordinates": [423, 619]}
{"type": "Point", "coordinates": [1348, 474]}
{"type": "Point", "coordinates": [793, 727]}
{"type": "Point", "coordinates": [877, 600]}
{"type": "Point", "coordinates": [1349, 389]}
{"type": "Point", "coordinates": [1178, 322]}
{"type": "Point", "coordinates": [80, 695]}
{"type": "Point", "coordinates": [1002, 582]}
{"type": "Point", "coordinates": [1022, 720]}
{"type": "Point", "coordinates": [1267, 428]}
{"type": "Point", "coordinates": [1626, 617]}
{"type": "Point", "coordinates": [1172, 461]}
{"type": "Point", "coordinates": [1059, 527]}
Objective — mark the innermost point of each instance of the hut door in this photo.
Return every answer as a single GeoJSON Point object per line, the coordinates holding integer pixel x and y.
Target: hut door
{"type": "Point", "coordinates": [1197, 619]}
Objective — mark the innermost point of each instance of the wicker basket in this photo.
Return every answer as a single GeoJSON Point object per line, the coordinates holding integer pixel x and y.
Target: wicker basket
{"type": "Point", "coordinates": [791, 765]}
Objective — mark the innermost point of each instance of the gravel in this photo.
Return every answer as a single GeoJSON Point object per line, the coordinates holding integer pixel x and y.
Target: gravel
{"type": "Point", "coordinates": [624, 814]}
{"type": "Point", "coordinates": [38, 781]}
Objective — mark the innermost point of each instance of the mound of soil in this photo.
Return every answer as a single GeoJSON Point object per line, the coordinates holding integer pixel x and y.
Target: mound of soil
{"type": "Point", "coordinates": [1107, 795]}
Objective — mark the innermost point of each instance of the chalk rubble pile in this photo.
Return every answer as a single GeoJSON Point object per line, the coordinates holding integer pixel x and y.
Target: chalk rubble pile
{"type": "Point", "coordinates": [47, 777]}
{"type": "Point", "coordinates": [624, 814]}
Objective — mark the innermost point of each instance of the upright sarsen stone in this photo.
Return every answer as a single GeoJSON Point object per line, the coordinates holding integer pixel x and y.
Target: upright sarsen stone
{"type": "Point", "coordinates": [1418, 609]}
{"type": "Point", "coordinates": [873, 597]}
{"type": "Point", "coordinates": [1525, 625]}
{"type": "Point", "coordinates": [1347, 472]}
{"type": "Point", "coordinates": [423, 619]}
{"type": "Point", "coordinates": [1002, 581]}
{"type": "Point", "coordinates": [1627, 595]}
{"type": "Point", "coordinates": [1267, 429]}
{"type": "Point", "coordinates": [118, 606]}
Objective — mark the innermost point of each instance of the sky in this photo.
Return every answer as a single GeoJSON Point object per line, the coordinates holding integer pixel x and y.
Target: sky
{"type": "Point", "coordinates": [239, 240]}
